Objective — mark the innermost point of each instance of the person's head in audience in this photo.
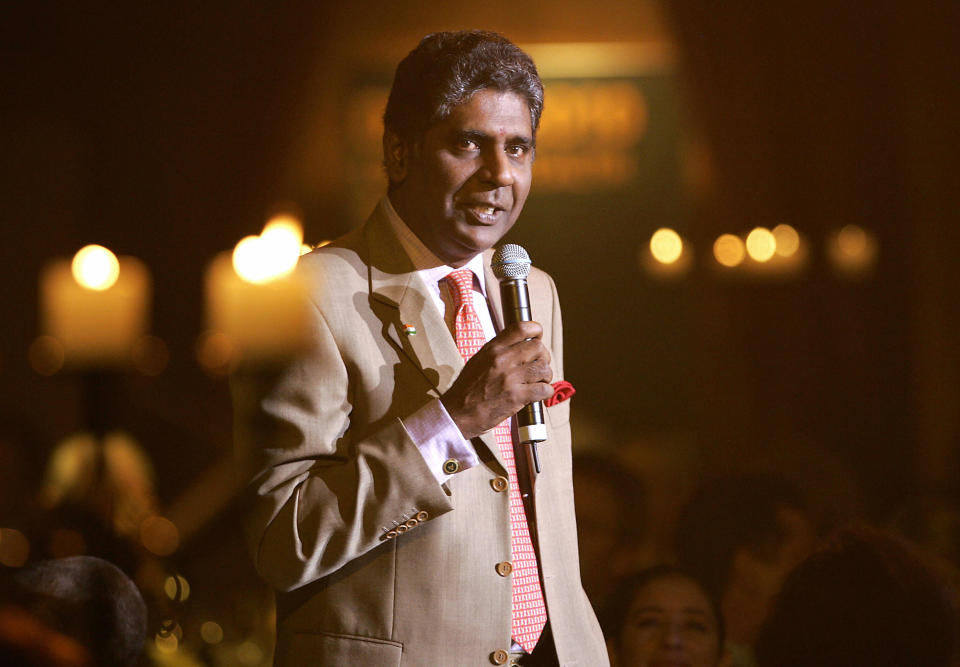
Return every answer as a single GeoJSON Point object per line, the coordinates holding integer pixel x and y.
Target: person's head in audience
{"type": "Point", "coordinates": [663, 616]}
{"type": "Point", "coordinates": [865, 599]}
{"type": "Point", "coordinates": [741, 536]}
{"type": "Point", "coordinates": [610, 521]}
{"type": "Point", "coordinates": [86, 599]}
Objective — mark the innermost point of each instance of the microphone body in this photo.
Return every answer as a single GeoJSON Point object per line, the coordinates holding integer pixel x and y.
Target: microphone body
{"type": "Point", "coordinates": [511, 266]}
{"type": "Point", "coordinates": [516, 308]}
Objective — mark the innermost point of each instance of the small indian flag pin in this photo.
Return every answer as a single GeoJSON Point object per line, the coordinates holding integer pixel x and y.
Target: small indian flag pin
{"type": "Point", "coordinates": [409, 329]}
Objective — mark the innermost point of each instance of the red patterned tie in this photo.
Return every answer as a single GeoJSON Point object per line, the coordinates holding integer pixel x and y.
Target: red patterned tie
{"type": "Point", "coordinates": [529, 611]}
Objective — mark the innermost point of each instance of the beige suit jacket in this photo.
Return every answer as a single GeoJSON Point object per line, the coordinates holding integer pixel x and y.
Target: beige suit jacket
{"type": "Point", "coordinates": [333, 475]}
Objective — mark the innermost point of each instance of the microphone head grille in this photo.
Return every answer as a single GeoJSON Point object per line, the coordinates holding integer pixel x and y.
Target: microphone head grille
{"type": "Point", "coordinates": [510, 261]}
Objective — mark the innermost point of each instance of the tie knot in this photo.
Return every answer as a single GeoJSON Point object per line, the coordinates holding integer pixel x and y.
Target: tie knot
{"type": "Point", "coordinates": [462, 283]}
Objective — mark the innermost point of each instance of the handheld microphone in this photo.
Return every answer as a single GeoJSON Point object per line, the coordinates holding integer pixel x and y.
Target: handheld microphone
{"type": "Point", "coordinates": [511, 266]}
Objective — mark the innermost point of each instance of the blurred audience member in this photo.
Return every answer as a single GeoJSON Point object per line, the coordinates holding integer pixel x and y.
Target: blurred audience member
{"type": "Point", "coordinates": [933, 524]}
{"type": "Point", "coordinates": [663, 616]}
{"type": "Point", "coordinates": [610, 522]}
{"type": "Point", "coordinates": [86, 599]}
{"type": "Point", "coordinates": [741, 536]}
{"type": "Point", "coordinates": [866, 599]}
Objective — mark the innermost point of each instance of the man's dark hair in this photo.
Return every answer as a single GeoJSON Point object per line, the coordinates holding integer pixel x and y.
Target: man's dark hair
{"type": "Point", "coordinates": [613, 616]}
{"type": "Point", "coordinates": [87, 599]}
{"type": "Point", "coordinates": [866, 599]}
{"type": "Point", "coordinates": [446, 69]}
{"type": "Point", "coordinates": [727, 515]}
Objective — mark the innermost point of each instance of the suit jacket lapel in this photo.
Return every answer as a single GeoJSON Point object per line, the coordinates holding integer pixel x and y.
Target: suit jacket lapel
{"type": "Point", "coordinates": [410, 317]}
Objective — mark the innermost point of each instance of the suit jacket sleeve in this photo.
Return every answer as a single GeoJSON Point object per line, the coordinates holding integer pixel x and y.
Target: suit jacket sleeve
{"type": "Point", "coordinates": [323, 488]}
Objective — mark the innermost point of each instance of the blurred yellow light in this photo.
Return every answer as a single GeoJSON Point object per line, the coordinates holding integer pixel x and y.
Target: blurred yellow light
{"type": "Point", "coordinates": [211, 632]}
{"type": "Point", "coordinates": [852, 241]}
{"type": "Point", "coordinates": [95, 268]}
{"type": "Point", "coordinates": [284, 232]}
{"type": "Point", "coordinates": [249, 653]}
{"type": "Point", "coordinates": [14, 547]}
{"type": "Point", "coordinates": [272, 255]}
{"type": "Point", "coordinates": [248, 262]}
{"type": "Point", "coordinates": [853, 251]}
{"type": "Point", "coordinates": [787, 239]}
{"type": "Point", "coordinates": [728, 250]}
{"type": "Point", "coordinates": [177, 588]}
{"type": "Point", "coordinates": [761, 245]}
{"type": "Point", "coordinates": [666, 246]}
{"type": "Point", "coordinates": [304, 249]}
{"type": "Point", "coordinates": [159, 535]}
{"type": "Point", "coordinates": [166, 643]}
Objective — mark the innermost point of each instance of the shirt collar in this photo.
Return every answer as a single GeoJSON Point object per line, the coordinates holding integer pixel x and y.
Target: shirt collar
{"type": "Point", "coordinates": [424, 261]}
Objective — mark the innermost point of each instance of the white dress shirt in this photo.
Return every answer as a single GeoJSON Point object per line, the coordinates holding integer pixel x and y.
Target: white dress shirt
{"type": "Point", "coordinates": [432, 429]}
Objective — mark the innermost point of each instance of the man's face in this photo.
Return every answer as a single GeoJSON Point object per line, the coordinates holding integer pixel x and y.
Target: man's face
{"type": "Point", "coordinates": [465, 185]}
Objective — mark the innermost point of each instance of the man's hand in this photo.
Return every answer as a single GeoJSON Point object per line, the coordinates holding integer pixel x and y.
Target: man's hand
{"type": "Point", "coordinates": [510, 371]}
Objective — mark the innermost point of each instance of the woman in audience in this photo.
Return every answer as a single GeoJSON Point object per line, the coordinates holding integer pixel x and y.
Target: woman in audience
{"type": "Point", "coordinates": [663, 616]}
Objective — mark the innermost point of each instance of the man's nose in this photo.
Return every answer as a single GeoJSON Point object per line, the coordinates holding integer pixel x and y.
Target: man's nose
{"type": "Point", "coordinates": [497, 169]}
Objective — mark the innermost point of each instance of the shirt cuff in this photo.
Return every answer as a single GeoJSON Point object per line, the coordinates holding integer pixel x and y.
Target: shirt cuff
{"type": "Point", "coordinates": [437, 437]}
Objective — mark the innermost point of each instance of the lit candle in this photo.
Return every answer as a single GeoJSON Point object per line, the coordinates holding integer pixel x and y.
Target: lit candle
{"type": "Point", "coordinates": [96, 305]}
{"type": "Point", "coordinates": [255, 298]}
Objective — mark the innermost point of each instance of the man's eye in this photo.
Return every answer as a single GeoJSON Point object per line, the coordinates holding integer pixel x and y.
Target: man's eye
{"type": "Point", "coordinates": [517, 150]}
{"type": "Point", "coordinates": [467, 144]}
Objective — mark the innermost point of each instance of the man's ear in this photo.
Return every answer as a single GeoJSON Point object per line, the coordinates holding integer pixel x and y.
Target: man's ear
{"type": "Point", "coordinates": [396, 157]}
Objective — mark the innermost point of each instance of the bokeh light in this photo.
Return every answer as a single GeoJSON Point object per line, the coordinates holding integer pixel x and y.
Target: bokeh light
{"type": "Point", "coordinates": [273, 254]}
{"type": "Point", "coordinates": [249, 653]}
{"type": "Point", "coordinates": [852, 250]}
{"type": "Point", "coordinates": [787, 240]}
{"type": "Point", "coordinates": [14, 547]}
{"type": "Point", "coordinates": [761, 244]}
{"type": "Point", "coordinates": [666, 246]}
{"type": "Point", "coordinates": [176, 588]}
{"type": "Point", "coordinates": [159, 535]}
{"type": "Point", "coordinates": [211, 632]}
{"type": "Point", "coordinates": [166, 643]}
{"type": "Point", "coordinates": [46, 355]}
{"type": "Point", "coordinates": [95, 268]}
{"type": "Point", "coordinates": [728, 250]}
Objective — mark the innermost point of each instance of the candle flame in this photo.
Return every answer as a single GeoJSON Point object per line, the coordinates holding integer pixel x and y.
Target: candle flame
{"type": "Point", "coordinates": [96, 268]}
{"type": "Point", "coordinates": [272, 255]}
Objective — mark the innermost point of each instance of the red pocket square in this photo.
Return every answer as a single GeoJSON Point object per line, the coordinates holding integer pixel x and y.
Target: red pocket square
{"type": "Point", "coordinates": [562, 390]}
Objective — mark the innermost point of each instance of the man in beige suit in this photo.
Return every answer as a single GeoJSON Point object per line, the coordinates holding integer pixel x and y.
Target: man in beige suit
{"type": "Point", "coordinates": [379, 497]}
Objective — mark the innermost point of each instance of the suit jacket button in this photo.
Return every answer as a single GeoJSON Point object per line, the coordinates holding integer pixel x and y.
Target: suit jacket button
{"type": "Point", "coordinates": [450, 466]}
{"type": "Point", "coordinates": [422, 516]}
{"type": "Point", "coordinates": [499, 484]}
{"type": "Point", "coordinates": [402, 528]}
{"type": "Point", "coordinates": [504, 568]}
{"type": "Point", "coordinates": [412, 523]}
{"type": "Point", "coordinates": [392, 534]}
{"type": "Point", "coordinates": [499, 657]}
